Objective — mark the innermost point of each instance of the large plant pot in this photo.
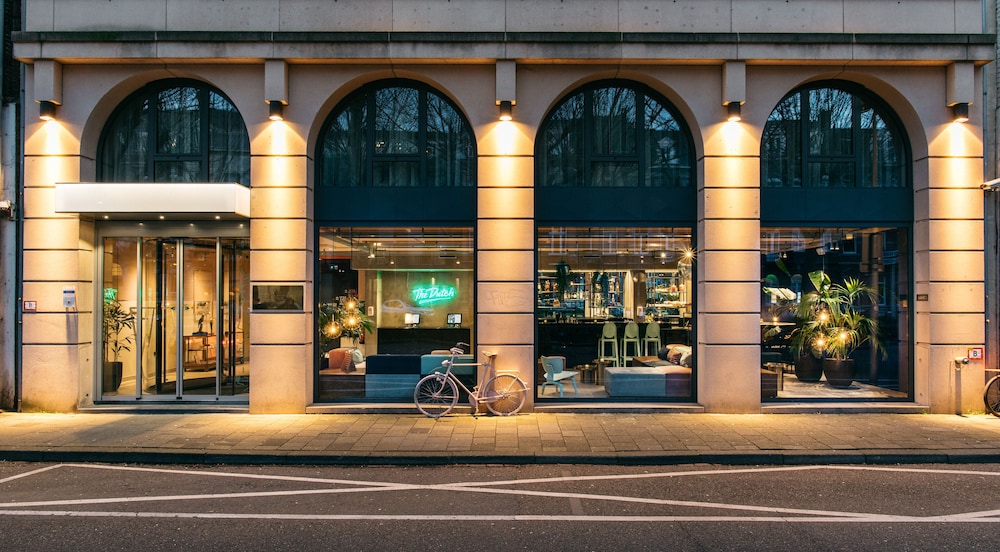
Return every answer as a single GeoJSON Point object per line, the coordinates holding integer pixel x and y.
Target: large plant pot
{"type": "Point", "coordinates": [839, 372]}
{"type": "Point", "coordinates": [111, 378]}
{"type": "Point", "coordinates": [808, 368]}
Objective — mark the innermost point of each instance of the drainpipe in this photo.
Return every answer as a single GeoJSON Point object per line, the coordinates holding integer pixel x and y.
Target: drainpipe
{"type": "Point", "coordinates": [9, 206]}
{"type": "Point", "coordinates": [991, 200]}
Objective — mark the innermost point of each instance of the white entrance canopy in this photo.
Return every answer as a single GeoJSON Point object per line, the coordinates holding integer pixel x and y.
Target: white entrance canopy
{"type": "Point", "coordinates": [145, 200]}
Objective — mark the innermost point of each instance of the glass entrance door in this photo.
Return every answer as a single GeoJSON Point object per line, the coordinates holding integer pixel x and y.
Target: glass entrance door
{"type": "Point", "coordinates": [190, 324]}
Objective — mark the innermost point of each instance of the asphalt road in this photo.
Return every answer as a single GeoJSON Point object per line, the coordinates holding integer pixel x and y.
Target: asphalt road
{"type": "Point", "coordinates": [555, 507]}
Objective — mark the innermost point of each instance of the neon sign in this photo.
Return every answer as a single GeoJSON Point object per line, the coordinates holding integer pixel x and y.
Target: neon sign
{"type": "Point", "coordinates": [433, 295]}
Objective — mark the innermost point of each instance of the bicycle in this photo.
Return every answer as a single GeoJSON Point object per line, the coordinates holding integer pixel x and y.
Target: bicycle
{"type": "Point", "coordinates": [436, 394]}
{"type": "Point", "coordinates": [991, 395]}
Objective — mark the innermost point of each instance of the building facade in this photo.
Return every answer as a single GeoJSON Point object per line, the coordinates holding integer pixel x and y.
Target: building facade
{"type": "Point", "coordinates": [299, 206]}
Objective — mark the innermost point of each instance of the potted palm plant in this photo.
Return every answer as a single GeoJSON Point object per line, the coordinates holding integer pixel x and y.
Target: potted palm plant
{"type": "Point", "coordinates": [805, 342]}
{"type": "Point", "coordinates": [847, 327]}
{"type": "Point", "coordinates": [117, 322]}
{"type": "Point", "coordinates": [834, 325]}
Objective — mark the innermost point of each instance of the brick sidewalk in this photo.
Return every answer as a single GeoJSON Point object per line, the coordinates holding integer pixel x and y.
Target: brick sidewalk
{"type": "Point", "coordinates": [613, 438]}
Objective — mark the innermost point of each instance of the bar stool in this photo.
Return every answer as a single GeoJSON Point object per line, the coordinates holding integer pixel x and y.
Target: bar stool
{"type": "Point", "coordinates": [651, 337]}
{"type": "Point", "coordinates": [631, 338]}
{"type": "Point", "coordinates": [609, 337]}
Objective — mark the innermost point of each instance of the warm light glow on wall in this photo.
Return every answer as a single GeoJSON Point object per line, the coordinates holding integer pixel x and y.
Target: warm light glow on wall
{"type": "Point", "coordinates": [52, 140]}
{"type": "Point", "coordinates": [735, 137]}
{"type": "Point", "coordinates": [960, 142]}
{"type": "Point", "coordinates": [506, 137]}
{"type": "Point", "coordinates": [506, 173]}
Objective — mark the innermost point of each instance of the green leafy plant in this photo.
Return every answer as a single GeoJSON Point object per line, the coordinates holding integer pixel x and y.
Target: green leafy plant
{"type": "Point", "coordinates": [115, 321]}
{"type": "Point", "coordinates": [833, 322]}
{"type": "Point", "coordinates": [344, 318]}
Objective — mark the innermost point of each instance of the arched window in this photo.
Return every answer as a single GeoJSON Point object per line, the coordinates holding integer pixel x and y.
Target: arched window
{"type": "Point", "coordinates": [175, 131]}
{"type": "Point", "coordinates": [833, 135]}
{"type": "Point", "coordinates": [397, 134]}
{"type": "Point", "coordinates": [836, 203]}
{"type": "Point", "coordinates": [615, 212]}
{"type": "Point", "coordinates": [614, 134]}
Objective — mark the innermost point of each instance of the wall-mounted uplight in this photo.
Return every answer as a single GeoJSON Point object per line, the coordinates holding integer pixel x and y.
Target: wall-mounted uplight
{"type": "Point", "coordinates": [47, 110]}
{"type": "Point", "coordinates": [276, 110]}
{"type": "Point", "coordinates": [506, 110]}
{"type": "Point", "coordinates": [734, 112]}
{"type": "Point", "coordinates": [960, 112]}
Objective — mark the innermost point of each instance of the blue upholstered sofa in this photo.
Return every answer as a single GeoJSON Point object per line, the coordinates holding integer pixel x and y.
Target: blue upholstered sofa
{"type": "Point", "coordinates": [395, 376]}
{"type": "Point", "coordinates": [391, 376]}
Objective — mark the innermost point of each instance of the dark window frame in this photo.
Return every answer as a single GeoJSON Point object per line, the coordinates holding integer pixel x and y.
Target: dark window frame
{"type": "Point", "coordinates": [640, 203]}
{"type": "Point", "coordinates": [411, 204]}
{"type": "Point", "coordinates": [806, 202]}
{"type": "Point", "coordinates": [148, 95]}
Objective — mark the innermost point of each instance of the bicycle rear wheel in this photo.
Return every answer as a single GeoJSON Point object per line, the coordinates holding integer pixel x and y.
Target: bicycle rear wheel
{"type": "Point", "coordinates": [991, 396]}
{"type": "Point", "coordinates": [504, 394]}
{"type": "Point", "coordinates": [435, 395]}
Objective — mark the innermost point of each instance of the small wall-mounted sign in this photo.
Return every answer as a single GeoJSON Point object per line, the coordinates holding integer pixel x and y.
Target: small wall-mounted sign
{"type": "Point", "coordinates": [30, 306]}
{"type": "Point", "coordinates": [976, 353]}
{"type": "Point", "coordinates": [69, 297]}
{"type": "Point", "coordinates": [921, 297]}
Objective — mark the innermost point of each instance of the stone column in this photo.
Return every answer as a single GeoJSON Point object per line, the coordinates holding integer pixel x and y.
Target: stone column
{"type": "Point", "coordinates": [505, 262]}
{"type": "Point", "coordinates": [282, 252]}
{"type": "Point", "coordinates": [728, 269]}
{"type": "Point", "coordinates": [57, 362]}
{"type": "Point", "coordinates": [949, 269]}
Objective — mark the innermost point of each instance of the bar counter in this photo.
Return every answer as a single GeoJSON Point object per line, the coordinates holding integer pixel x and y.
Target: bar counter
{"type": "Point", "coordinates": [577, 338]}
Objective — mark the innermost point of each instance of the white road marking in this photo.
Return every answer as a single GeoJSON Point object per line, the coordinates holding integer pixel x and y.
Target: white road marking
{"type": "Point", "coordinates": [30, 473]}
{"type": "Point", "coordinates": [872, 518]}
{"type": "Point", "coordinates": [489, 487]}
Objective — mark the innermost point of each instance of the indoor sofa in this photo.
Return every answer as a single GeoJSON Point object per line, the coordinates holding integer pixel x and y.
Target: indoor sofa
{"type": "Point", "coordinates": [666, 375]}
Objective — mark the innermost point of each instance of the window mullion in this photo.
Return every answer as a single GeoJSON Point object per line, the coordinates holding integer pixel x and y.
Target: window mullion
{"type": "Point", "coordinates": [422, 109]}
{"type": "Point", "coordinates": [203, 115]}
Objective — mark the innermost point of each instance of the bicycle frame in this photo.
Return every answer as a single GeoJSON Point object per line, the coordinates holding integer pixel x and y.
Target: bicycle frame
{"type": "Point", "coordinates": [488, 373]}
{"type": "Point", "coordinates": [436, 394]}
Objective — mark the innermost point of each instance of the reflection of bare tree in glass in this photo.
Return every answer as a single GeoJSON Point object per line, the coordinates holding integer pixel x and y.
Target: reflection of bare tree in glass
{"type": "Point", "coordinates": [417, 138]}
{"type": "Point", "coordinates": [848, 139]}
{"type": "Point", "coordinates": [614, 156]}
{"type": "Point", "coordinates": [229, 144]}
{"type": "Point", "coordinates": [158, 137]}
{"type": "Point", "coordinates": [604, 137]}
{"type": "Point", "coordinates": [781, 145]}
{"type": "Point", "coordinates": [667, 148]}
{"type": "Point", "coordinates": [449, 146]}
{"type": "Point", "coordinates": [562, 163]}
{"type": "Point", "coordinates": [344, 151]}
{"type": "Point", "coordinates": [125, 152]}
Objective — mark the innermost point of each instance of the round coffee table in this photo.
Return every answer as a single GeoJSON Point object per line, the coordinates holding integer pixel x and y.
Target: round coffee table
{"type": "Point", "coordinates": [588, 372]}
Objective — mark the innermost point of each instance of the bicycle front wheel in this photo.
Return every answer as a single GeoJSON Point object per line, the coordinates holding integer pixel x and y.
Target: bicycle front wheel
{"type": "Point", "coordinates": [504, 394]}
{"type": "Point", "coordinates": [435, 395]}
{"type": "Point", "coordinates": [991, 396]}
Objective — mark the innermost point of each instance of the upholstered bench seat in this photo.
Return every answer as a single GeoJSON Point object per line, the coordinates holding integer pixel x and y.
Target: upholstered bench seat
{"type": "Point", "coordinates": [635, 381]}
{"type": "Point", "coordinates": [391, 376]}
{"type": "Point", "coordinates": [651, 377]}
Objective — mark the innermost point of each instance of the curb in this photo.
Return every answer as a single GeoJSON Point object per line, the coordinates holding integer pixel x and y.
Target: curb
{"type": "Point", "coordinates": [791, 458]}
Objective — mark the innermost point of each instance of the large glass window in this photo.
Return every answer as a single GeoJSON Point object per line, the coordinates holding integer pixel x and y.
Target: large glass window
{"type": "Point", "coordinates": [614, 134]}
{"type": "Point", "coordinates": [175, 131]}
{"type": "Point", "coordinates": [390, 300]}
{"type": "Point", "coordinates": [614, 300]}
{"type": "Point", "coordinates": [836, 219]}
{"type": "Point", "coordinates": [831, 295]}
{"type": "Point", "coordinates": [397, 134]}
{"type": "Point", "coordinates": [614, 308]}
{"type": "Point", "coordinates": [833, 135]}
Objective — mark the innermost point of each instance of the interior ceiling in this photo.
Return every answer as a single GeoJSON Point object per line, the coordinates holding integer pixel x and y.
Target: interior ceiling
{"type": "Point", "coordinates": [581, 247]}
